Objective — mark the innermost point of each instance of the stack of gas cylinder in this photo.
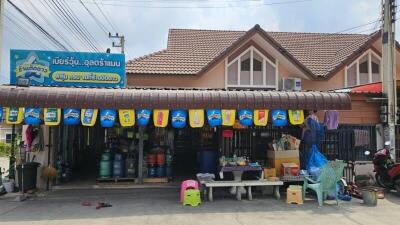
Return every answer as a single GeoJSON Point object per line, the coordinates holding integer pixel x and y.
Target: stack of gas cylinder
{"type": "Point", "coordinates": [156, 163]}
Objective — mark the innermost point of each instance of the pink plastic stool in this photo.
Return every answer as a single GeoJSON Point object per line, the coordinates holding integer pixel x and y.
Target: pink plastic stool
{"type": "Point", "coordinates": [186, 185]}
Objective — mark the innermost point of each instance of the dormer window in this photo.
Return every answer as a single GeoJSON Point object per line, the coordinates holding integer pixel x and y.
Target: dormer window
{"type": "Point", "coordinates": [366, 69]}
{"type": "Point", "coordinates": [252, 69]}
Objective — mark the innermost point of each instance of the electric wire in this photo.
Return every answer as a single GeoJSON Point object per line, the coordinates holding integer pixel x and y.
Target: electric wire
{"type": "Point", "coordinates": [13, 31]}
{"type": "Point", "coordinates": [98, 22]}
{"type": "Point", "coordinates": [53, 10]}
{"type": "Point", "coordinates": [38, 27]}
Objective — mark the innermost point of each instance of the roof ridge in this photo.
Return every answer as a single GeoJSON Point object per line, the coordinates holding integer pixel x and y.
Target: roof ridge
{"type": "Point", "coordinates": [198, 29]}
{"type": "Point", "coordinates": [317, 33]}
{"type": "Point", "coordinates": [147, 56]}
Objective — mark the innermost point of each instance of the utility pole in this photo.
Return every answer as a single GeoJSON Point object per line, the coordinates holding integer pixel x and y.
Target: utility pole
{"type": "Point", "coordinates": [1, 30]}
{"type": "Point", "coordinates": [121, 42]}
{"type": "Point", "coordinates": [389, 72]}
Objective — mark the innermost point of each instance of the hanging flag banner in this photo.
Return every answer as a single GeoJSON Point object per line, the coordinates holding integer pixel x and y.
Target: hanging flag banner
{"type": "Point", "coordinates": [214, 117]}
{"type": "Point", "coordinates": [160, 117]}
{"type": "Point", "coordinates": [14, 115]}
{"type": "Point", "coordinates": [178, 118]}
{"type": "Point", "coordinates": [261, 117]}
{"type": "Point", "coordinates": [296, 117]}
{"type": "Point", "coordinates": [126, 117]}
{"type": "Point", "coordinates": [52, 116]}
{"type": "Point", "coordinates": [279, 117]}
{"type": "Point", "coordinates": [228, 117]}
{"type": "Point", "coordinates": [32, 116]}
{"type": "Point", "coordinates": [196, 118]}
{"type": "Point", "coordinates": [88, 117]}
{"type": "Point", "coordinates": [245, 117]}
{"type": "Point", "coordinates": [57, 68]}
{"type": "Point", "coordinates": [1, 114]}
{"type": "Point", "coordinates": [143, 116]}
{"type": "Point", "coordinates": [107, 117]}
{"type": "Point", "coordinates": [71, 116]}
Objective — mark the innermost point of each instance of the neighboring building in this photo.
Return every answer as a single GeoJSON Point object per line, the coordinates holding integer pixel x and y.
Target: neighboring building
{"type": "Point", "coordinates": [258, 59]}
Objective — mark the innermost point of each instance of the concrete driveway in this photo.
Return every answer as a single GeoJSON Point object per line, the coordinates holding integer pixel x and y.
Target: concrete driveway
{"type": "Point", "coordinates": [161, 207]}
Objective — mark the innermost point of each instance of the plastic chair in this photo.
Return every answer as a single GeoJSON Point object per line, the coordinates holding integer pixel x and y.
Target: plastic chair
{"type": "Point", "coordinates": [188, 184]}
{"type": "Point", "coordinates": [192, 197]}
{"type": "Point", "coordinates": [331, 173]}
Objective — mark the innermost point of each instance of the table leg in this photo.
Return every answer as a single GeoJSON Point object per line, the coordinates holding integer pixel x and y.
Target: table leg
{"type": "Point", "coordinates": [276, 192]}
{"type": "Point", "coordinates": [238, 193]}
{"type": "Point", "coordinates": [210, 194]}
{"type": "Point", "coordinates": [249, 195]}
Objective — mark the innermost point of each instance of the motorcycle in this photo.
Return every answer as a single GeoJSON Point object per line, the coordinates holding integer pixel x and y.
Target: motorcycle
{"type": "Point", "coordinates": [387, 173]}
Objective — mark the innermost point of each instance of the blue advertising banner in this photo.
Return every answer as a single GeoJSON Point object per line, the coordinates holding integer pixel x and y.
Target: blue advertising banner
{"type": "Point", "coordinates": [55, 68]}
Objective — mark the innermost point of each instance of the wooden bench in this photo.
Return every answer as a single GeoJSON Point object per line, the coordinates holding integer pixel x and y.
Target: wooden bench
{"type": "Point", "coordinates": [247, 183]}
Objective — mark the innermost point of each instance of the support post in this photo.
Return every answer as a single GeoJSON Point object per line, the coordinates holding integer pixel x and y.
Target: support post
{"type": "Point", "coordinates": [140, 160]}
{"type": "Point", "coordinates": [389, 74]}
{"type": "Point", "coordinates": [11, 170]}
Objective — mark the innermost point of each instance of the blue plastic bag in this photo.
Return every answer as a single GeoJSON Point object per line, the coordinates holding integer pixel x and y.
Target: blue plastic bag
{"type": "Point", "coordinates": [315, 160]}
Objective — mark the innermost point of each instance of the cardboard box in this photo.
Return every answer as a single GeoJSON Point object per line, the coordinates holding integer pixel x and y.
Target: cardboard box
{"type": "Point", "coordinates": [277, 163]}
{"type": "Point", "coordinates": [289, 169]}
{"type": "Point", "coordinates": [283, 154]}
{"type": "Point", "coordinates": [269, 172]}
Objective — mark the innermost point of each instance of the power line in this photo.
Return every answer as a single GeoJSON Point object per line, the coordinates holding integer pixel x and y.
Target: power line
{"type": "Point", "coordinates": [43, 18]}
{"type": "Point", "coordinates": [98, 22]}
{"type": "Point", "coordinates": [52, 9]}
{"type": "Point", "coordinates": [14, 32]}
{"type": "Point", "coordinates": [72, 22]}
{"type": "Point", "coordinates": [201, 6]}
{"type": "Point", "coordinates": [41, 29]}
{"type": "Point", "coordinates": [106, 18]}
{"type": "Point", "coordinates": [75, 22]}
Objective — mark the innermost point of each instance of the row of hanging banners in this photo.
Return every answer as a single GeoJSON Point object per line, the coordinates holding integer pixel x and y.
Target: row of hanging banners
{"type": "Point", "coordinates": [128, 117]}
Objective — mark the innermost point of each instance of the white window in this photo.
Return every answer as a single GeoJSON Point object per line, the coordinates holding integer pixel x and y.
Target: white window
{"type": "Point", "coordinates": [366, 69]}
{"type": "Point", "coordinates": [251, 69]}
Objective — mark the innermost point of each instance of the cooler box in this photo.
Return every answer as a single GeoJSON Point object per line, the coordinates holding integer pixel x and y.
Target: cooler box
{"type": "Point", "coordinates": [276, 158]}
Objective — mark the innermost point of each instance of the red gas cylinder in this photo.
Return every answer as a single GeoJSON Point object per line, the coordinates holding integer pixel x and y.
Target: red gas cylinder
{"type": "Point", "coordinates": [160, 158]}
{"type": "Point", "coordinates": [151, 159]}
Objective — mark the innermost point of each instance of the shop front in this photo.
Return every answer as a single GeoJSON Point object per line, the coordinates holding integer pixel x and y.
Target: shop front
{"type": "Point", "coordinates": [162, 135]}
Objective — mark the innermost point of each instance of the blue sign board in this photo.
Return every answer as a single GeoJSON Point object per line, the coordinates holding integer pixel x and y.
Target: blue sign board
{"type": "Point", "coordinates": [55, 68]}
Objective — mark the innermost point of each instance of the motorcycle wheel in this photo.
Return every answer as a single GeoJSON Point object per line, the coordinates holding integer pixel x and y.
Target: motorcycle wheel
{"type": "Point", "coordinates": [379, 180]}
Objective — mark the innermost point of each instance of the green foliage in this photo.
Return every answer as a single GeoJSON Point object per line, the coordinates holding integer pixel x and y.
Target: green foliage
{"type": "Point", "coordinates": [5, 149]}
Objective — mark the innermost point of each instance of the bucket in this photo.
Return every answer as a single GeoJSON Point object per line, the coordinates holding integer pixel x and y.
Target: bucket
{"type": "Point", "coordinates": [151, 159]}
{"type": "Point", "coordinates": [9, 186]}
{"type": "Point", "coordinates": [161, 171]}
{"type": "Point", "coordinates": [152, 171]}
{"type": "Point", "coordinates": [160, 158]}
{"type": "Point", "coordinates": [370, 197]}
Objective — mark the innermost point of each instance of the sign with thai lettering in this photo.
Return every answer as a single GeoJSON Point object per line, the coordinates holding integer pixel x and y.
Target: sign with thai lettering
{"type": "Point", "coordinates": [55, 68]}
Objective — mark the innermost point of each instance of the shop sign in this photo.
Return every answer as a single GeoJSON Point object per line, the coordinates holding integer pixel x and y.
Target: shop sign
{"type": "Point", "coordinates": [178, 118]}
{"type": "Point", "coordinates": [245, 117]}
{"type": "Point", "coordinates": [261, 117]}
{"type": "Point", "coordinates": [107, 117]}
{"type": "Point", "coordinates": [56, 68]}
{"type": "Point", "coordinates": [52, 116]}
{"type": "Point", "coordinates": [1, 114]}
{"type": "Point", "coordinates": [88, 117]}
{"type": "Point", "coordinates": [14, 115]}
{"type": "Point", "coordinates": [296, 117]}
{"type": "Point", "coordinates": [196, 118]}
{"type": "Point", "coordinates": [126, 117]}
{"type": "Point", "coordinates": [214, 117]}
{"type": "Point", "coordinates": [71, 116]}
{"type": "Point", "coordinates": [143, 116]}
{"type": "Point", "coordinates": [228, 117]}
{"type": "Point", "coordinates": [279, 117]}
{"type": "Point", "coordinates": [32, 116]}
{"type": "Point", "coordinates": [160, 117]}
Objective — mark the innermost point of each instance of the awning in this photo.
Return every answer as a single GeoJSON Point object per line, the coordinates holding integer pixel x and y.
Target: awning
{"type": "Point", "coordinates": [62, 97]}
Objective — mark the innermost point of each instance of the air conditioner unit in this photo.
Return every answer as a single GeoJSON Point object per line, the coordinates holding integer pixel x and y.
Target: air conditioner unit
{"type": "Point", "coordinates": [291, 84]}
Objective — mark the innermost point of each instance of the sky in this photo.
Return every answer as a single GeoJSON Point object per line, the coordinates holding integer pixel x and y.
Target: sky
{"type": "Point", "coordinates": [145, 23]}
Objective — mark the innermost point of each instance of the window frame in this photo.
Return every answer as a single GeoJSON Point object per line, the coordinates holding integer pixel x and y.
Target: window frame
{"type": "Point", "coordinates": [265, 60]}
{"type": "Point", "coordinates": [356, 62]}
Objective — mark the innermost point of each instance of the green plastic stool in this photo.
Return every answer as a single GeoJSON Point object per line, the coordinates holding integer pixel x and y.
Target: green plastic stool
{"type": "Point", "coordinates": [192, 197]}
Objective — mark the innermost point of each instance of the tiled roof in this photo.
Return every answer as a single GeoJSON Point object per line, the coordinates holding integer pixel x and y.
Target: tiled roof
{"type": "Point", "coordinates": [189, 51]}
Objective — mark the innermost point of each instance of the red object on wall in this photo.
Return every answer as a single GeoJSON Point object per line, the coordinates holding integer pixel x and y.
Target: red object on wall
{"type": "Point", "coordinates": [227, 133]}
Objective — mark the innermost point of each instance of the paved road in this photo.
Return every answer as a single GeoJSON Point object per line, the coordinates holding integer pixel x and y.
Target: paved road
{"type": "Point", "coordinates": [160, 206]}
